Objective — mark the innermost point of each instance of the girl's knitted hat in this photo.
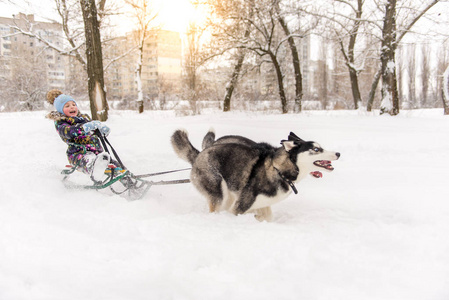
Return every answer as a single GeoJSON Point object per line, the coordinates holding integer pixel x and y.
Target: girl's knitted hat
{"type": "Point", "coordinates": [58, 99]}
{"type": "Point", "coordinates": [61, 100]}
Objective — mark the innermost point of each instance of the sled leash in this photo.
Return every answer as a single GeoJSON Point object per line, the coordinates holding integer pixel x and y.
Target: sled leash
{"type": "Point", "coordinates": [133, 187]}
{"type": "Point", "coordinates": [160, 173]}
{"type": "Point", "coordinates": [105, 141]}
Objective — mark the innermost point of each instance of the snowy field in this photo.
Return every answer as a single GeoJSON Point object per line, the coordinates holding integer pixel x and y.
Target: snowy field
{"type": "Point", "coordinates": [375, 228]}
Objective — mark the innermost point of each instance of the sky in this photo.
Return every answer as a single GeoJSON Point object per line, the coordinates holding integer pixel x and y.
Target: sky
{"type": "Point", "coordinates": [42, 8]}
{"type": "Point", "coordinates": [173, 14]}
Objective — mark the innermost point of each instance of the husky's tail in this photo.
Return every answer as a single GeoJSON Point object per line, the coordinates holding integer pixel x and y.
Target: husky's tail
{"type": "Point", "coordinates": [209, 139]}
{"type": "Point", "coordinates": [182, 146]}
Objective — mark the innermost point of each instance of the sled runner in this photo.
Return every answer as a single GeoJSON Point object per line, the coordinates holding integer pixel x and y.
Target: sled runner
{"type": "Point", "coordinates": [119, 179]}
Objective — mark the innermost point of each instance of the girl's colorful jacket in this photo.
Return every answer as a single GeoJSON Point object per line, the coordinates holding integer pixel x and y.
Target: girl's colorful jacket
{"type": "Point", "coordinates": [71, 132]}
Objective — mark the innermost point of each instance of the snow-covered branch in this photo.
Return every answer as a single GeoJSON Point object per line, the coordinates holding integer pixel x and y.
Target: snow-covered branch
{"type": "Point", "coordinates": [61, 51]}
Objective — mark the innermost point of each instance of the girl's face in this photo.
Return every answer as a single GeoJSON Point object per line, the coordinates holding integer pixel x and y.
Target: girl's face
{"type": "Point", "coordinates": [70, 109]}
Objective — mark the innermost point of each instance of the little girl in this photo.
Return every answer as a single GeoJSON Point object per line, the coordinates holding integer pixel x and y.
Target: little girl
{"type": "Point", "coordinates": [76, 130]}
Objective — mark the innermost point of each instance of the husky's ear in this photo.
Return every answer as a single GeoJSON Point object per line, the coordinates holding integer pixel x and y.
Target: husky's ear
{"type": "Point", "coordinates": [294, 137]}
{"type": "Point", "coordinates": [288, 145]}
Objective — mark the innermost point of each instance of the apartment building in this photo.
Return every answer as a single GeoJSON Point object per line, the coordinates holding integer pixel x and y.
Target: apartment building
{"type": "Point", "coordinates": [162, 65]}
{"type": "Point", "coordinates": [18, 50]}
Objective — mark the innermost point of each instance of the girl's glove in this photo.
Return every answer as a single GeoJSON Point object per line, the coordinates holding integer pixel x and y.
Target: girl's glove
{"type": "Point", "coordinates": [105, 130]}
{"type": "Point", "coordinates": [90, 126]}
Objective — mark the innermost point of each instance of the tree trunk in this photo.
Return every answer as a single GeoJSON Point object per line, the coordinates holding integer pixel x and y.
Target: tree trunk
{"type": "Point", "coordinates": [425, 75]}
{"type": "Point", "coordinates": [231, 85]}
{"type": "Point", "coordinates": [191, 64]}
{"type": "Point", "coordinates": [296, 62]}
{"type": "Point", "coordinates": [140, 106]}
{"type": "Point", "coordinates": [280, 79]}
{"type": "Point", "coordinates": [238, 67]}
{"type": "Point", "coordinates": [353, 73]}
{"type": "Point", "coordinates": [407, 29]}
{"type": "Point", "coordinates": [97, 95]}
{"type": "Point", "coordinates": [353, 76]}
{"type": "Point", "coordinates": [411, 66]}
{"type": "Point", "coordinates": [350, 57]}
{"type": "Point", "coordinates": [323, 75]}
{"type": "Point", "coordinates": [372, 92]}
{"type": "Point", "coordinates": [446, 91]}
{"type": "Point", "coordinates": [390, 99]}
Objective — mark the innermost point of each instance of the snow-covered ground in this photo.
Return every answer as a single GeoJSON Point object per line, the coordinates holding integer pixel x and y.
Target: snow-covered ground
{"type": "Point", "coordinates": [375, 228]}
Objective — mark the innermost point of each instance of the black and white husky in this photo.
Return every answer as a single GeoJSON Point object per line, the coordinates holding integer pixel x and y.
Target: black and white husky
{"type": "Point", "coordinates": [241, 176]}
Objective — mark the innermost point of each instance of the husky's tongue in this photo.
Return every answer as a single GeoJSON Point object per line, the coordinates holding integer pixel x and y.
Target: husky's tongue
{"type": "Point", "coordinates": [316, 174]}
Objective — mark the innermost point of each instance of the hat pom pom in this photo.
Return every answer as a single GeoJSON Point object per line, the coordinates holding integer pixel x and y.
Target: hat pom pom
{"type": "Point", "coordinates": [52, 94]}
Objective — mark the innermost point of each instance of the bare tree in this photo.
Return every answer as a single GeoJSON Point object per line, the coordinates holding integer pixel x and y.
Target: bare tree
{"type": "Point", "coordinates": [26, 87]}
{"type": "Point", "coordinates": [295, 57]}
{"type": "Point", "coordinates": [445, 91]}
{"type": "Point", "coordinates": [251, 26]}
{"type": "Point", "coordinates": [390, 99]}
{"type": "Point", "coordinates": [349, 53]}
{"type": "Point", "coordinates": [97, 95]}
{"type": "Point", "coordinates": [70, 19]}
{"type": "Point", "coordinates": [228, 26]}
{"type": "Point", "coordinates": [235, 74]}
{"type": "Point", "coordinates": [192, 63]}
{"type": "Point", "coordinates": [144, 16]}
{"type": "Point", "coordinates": [400, 72]}
{"type": "Point", "coordinates": [441, 78]}
{"type": "Point", "coordinates": [71, 12]}
{"type": "Point", "coordinates": [391, 109]}
{"type": "Point", "coordinates": [234, 79]}
{"type": "Point", "coordinates": [265, 43]}
{"type": "Point", "coordinates": [341, 20]}
{"type": "Point", "coordinates": [167, 90]}
{"type": "Point", "coordinates": [323, 76]}
{"type": "Point", "coordinates": [411, 70]}
{"type": "Point", "coordinates": [425, 75]}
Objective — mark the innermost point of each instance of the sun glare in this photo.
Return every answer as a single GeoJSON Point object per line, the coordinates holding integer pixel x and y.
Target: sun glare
{"type": "Point", "coordinates": [177, 14]}
{"type": "Point", "coordinates": [174, 15]}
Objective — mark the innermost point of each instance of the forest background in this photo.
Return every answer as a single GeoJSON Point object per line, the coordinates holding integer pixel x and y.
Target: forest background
{"type": "Point", "coordinates": [384, 54]}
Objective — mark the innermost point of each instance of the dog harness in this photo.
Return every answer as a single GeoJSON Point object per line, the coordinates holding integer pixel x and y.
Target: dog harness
{"type": "Point", "coordinates": [288, 181]}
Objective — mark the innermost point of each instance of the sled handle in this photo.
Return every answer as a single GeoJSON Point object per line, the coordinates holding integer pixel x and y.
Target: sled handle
{"type": "Point", "coordinates": [104, 140]}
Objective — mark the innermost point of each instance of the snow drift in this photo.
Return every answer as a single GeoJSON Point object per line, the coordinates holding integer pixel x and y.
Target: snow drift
{"type": "Point", "coordinates": [375, 228]}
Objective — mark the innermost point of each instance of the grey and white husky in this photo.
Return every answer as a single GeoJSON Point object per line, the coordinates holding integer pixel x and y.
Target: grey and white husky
{"type": "Point", "coordinates": [241, 176]}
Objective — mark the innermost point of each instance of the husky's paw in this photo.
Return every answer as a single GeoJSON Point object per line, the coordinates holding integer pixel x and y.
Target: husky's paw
{"type": "Point", "coordinates": [264, 214]}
